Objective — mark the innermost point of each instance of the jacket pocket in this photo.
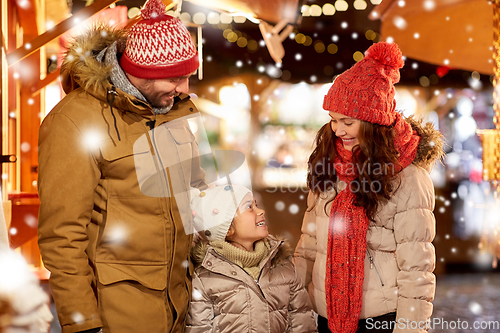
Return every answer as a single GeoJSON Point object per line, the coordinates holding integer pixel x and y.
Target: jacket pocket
{"type": "Point", "coordinates": [152, 277]}
{"type": "Point", "coordinates": [134, 231]}
{"type": "Point", "coordinates": [374, 266]}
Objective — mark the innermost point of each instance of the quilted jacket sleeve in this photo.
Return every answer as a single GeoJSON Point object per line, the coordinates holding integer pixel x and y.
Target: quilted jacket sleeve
{"type": "Point", "coordinates": [201, 311]}
{"type": "Point", "coordinates": [68, 176]}
{"type": "Point", "coordinates": [305, 252]}
{"type": "Point", "coordinates": [301, 316]}
{"type": "Point", "coordinates": [414, 230]}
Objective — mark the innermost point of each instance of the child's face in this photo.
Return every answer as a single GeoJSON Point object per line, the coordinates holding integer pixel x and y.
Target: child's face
{"type": "Point", "coordinates": [249, 224]}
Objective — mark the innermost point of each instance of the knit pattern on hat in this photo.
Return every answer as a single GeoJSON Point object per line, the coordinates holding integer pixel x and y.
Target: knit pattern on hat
{"type": "Point", "coordinates": [366, 90]}
{"type": "Point", "coordinates": [159, 46]}
{"type": "Point", "coordinates": [214, 209]}
{"type": "Point", "coordinates": [249, 261]}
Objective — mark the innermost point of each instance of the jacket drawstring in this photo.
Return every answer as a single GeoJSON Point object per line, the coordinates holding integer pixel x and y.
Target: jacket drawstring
{"type": "Point", "coordinates": [111, 98]}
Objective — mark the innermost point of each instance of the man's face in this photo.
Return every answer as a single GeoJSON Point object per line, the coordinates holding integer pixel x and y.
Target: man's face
{"type": "Point", "coordinates": [160, 93]}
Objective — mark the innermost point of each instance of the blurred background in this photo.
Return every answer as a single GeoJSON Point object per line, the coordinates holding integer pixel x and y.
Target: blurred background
{"type": "Point", "coordinates": [266, 65]}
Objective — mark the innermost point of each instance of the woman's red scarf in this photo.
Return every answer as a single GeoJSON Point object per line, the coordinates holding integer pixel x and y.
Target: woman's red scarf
{"type": "Point", "coordinates": [347, 236]}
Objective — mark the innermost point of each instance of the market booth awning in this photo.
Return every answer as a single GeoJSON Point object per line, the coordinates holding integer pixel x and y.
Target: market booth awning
{"type": "Point", "coordinates": [270, 11]}
{"type": "Point", "coordinates": [453, 33]}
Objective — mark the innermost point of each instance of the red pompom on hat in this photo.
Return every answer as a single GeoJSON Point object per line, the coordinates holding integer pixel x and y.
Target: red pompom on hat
{"type": "Point", "coordinates": [159, 46]}
{"type": "Point", "coordinates": [366, 90]}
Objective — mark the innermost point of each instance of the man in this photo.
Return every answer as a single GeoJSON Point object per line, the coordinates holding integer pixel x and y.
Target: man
{"type": "Point", "coordinates": [115, 244]}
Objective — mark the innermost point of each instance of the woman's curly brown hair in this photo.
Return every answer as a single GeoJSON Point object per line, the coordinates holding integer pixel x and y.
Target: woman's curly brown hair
{"type": "Point", "coordinates": [375, 152]}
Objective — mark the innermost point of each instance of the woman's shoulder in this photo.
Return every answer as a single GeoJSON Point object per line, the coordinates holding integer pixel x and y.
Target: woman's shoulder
{"type": "Point", "coordinates": [415, 189]}
{"type": "Point", "coordinates": [415, 174]}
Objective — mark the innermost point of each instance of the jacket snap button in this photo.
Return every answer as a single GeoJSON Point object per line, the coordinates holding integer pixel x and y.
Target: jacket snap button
{"type": "Point", "coordinates": [234, 273]}
{"type": "Point", "coordinates": [207, 232]}
{"type": "Point", "coordinates": [191, 109]}
{"type": "Point", "coordinates": [209, 263]}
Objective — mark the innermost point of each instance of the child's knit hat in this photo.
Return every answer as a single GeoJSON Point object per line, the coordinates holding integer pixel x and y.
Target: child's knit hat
{"type": "Point", "coordinates": [366, 90]}
{"type": "Point", "coordinates": [159, 46]}
{"type": "Point", "coordinates": [213, 209]}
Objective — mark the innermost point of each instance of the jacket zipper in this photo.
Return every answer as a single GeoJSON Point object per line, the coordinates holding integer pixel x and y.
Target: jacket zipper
{"type": "Point", "coordinates": [165, 181]}
{"type": "Point", "coordinates": [372, 265]}
{"type": "Point", "coordinates": [256, 281]}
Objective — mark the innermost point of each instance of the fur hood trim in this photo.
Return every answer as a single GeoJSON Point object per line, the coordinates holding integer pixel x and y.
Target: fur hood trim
{"type": "Point", "coordinates": [80, 67]}
{"type": "Point", "coordinates": [430, 148]}
{"type": "Point", "coordinates": [284, 253]}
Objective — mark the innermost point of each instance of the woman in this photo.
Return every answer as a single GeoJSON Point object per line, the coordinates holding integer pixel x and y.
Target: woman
{"type": "Point", "coordinates": [365, 252]}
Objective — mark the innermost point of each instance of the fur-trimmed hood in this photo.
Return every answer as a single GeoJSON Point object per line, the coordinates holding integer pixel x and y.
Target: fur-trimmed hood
{"type": "Point", "coordinates": [284, 252]}
{"type": "Point", "coordinates": [430, 148]}
{"type": "Point", "coordinates": [80, 67]}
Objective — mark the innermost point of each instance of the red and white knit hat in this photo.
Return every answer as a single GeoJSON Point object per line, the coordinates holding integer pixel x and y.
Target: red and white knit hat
{"type": "Point", "coordinates": [366, 90]}
{"type": "Point", "coordinates": [159, 46]}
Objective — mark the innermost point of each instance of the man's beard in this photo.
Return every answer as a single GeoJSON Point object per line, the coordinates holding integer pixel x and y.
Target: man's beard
{"type": "Point", "coordinates": [158, 107]}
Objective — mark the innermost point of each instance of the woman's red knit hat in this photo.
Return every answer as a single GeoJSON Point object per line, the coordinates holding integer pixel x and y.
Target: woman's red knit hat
{"type": "Point", "coordinates": [159, 46]}
{"type": "Point", "coordinates": [366, 90]}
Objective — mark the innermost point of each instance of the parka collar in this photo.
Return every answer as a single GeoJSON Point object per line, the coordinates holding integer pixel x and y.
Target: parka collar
{"type": "Point", "coordinates": [430, 148]}
{"type": "Point", "coordinates": [202, 252]}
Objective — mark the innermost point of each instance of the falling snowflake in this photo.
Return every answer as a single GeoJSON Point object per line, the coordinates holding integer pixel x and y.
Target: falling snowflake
{"type": "Point", "coordinates": [429, 5]}
{"type": "Point", "coordinates": [293, 209]}
{"type": "Point", "coordinates": [92, 139]}
{"type": "Point", "coordinates": [31, 220]}
{"type": "Point", "coordinates": [197, 295]}
{"type": "Point", "coordinates": [475, 308]}
{"type": "Point", "coordinates": [279, 206]}
{"type": "Point", "coordinates": [117, 234]}
{"type": "Point", "coordinates": [400, 22]}
{"type": "Point", "coordinates": [77, 317]}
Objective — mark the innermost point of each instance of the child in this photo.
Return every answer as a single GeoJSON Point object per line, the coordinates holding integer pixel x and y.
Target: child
{"type": "Point", "coordinates": [244, 279]}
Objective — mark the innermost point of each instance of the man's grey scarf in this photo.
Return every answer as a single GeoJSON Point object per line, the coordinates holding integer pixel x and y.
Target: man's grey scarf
{"type": "Point", "coordinates": [119, 78]}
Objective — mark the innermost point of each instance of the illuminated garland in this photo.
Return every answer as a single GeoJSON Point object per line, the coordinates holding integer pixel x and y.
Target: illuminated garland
{"type": "Point", "coordinates": [490, 237]}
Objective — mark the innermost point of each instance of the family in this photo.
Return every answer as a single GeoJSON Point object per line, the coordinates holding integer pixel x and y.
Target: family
{"type": "Point", "coordinates": [122, 261]}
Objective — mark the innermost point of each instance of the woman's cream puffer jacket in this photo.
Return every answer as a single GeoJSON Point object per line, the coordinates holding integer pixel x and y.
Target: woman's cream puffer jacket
{"type": "Point", "coordinates": [400, 257]}
{"type": "Point", "coordinates": [226, 299]}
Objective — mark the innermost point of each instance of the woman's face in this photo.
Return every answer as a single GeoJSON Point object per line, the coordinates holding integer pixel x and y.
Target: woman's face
{"type": "Point", "coordinates": [345, 128]}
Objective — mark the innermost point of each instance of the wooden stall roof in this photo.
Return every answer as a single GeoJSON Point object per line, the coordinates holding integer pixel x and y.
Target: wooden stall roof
{"type": "Point", "coordinates": [453, 33]}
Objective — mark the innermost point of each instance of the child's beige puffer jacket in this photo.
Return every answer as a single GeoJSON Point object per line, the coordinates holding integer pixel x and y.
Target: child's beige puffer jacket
{"type": "Point", "coordinates": [227, 299]}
